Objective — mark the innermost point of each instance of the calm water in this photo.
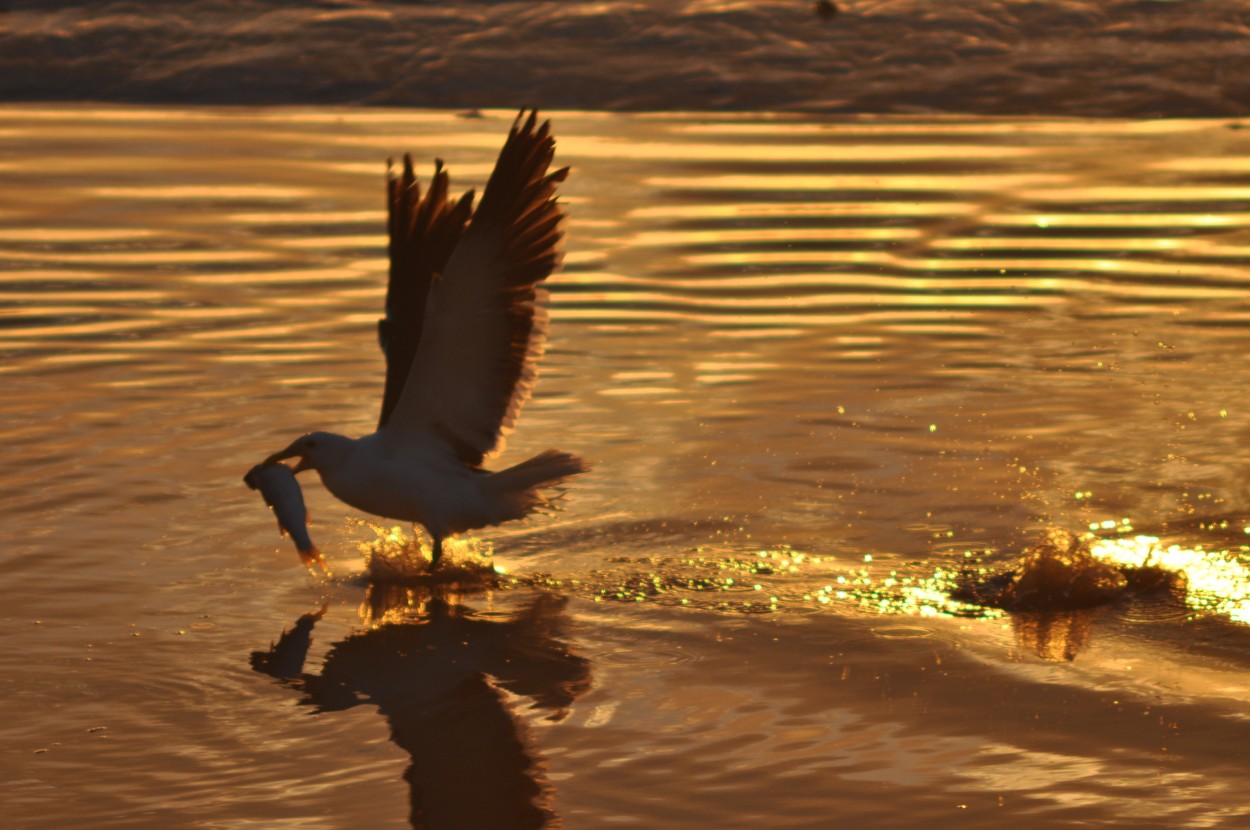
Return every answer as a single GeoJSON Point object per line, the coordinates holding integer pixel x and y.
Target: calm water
{"type": "Point", "coordinates": [820, 365]}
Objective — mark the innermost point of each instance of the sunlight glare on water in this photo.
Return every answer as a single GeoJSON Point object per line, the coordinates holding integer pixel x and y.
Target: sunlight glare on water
{"type": "Point", "coordinates": [1215, 581]}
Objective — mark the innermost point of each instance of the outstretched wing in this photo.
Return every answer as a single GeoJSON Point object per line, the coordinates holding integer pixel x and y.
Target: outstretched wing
{"type": "Point", "coordinates": [484, 326]}
{"type": "Point", "coordinates": [423, 233]}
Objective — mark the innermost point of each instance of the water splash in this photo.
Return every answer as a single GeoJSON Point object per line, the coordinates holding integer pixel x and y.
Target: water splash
{"type": "Point", "coordinates": [1059, 574]}
{"type": "Point", "coordinates": [394, 557]}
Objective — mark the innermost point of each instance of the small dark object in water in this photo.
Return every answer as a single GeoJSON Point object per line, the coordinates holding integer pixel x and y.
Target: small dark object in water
{"type": "Point", "coordinates": [1060, 574]}
{"type": "Point", "coordinates": [1149, 578]}
{"type": "Point", "coordinates": [826, 9]}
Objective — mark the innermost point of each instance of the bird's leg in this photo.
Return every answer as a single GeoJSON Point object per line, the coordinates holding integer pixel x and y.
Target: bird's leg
{"type": "Point", "coordinates": [437, 553]}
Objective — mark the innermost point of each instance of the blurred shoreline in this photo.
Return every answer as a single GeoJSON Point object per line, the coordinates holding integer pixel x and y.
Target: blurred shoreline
{"type": "Point", "coordinates": [1125, 58]}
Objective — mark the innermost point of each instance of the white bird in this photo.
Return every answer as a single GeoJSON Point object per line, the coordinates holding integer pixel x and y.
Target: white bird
{"type": "Point", "coordinates": [463, 330]}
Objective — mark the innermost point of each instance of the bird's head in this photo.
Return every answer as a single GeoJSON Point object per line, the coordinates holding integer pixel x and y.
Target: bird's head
{"type": "Point", "coordinates": [316, 451]}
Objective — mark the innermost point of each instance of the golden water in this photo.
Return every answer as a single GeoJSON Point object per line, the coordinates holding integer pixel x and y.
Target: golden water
{"type": "Point", "coordinates": [821, 366]}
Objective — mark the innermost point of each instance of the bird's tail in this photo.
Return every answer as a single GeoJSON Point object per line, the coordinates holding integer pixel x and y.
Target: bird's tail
{"type": "Point", "coordinates": [519, 485]}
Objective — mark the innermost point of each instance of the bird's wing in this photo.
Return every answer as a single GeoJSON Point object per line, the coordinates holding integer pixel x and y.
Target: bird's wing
{"type": "Point", "coordinates": [423, 233]}
{"type": "Point", "coordinates": [484, 325]}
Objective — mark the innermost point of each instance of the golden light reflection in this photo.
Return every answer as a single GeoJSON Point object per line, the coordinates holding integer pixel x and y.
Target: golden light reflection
{"type": "Point", "coordinates": [789, 208]}
{"type": "Point", "coordinates": [432, 143]}
{"type": "Point", "coordinates": [1025, 267]}
{"type": "Point", "coordinates": [1215, 581]}
{"type": "Point", "coordinates": [92, 300]}
{"type": "Point", "coordinates": [723, 378]}
{"type": "Point", "coordinates": [1221, 164]}
{"type": "Point", "coordinates": [781, 325]}
{"type": "Point", "coordinates": [826, 309]}
{"type": "Point", "coordinates": [614, 148]}
{"type": "Point", "coordinates": [1057, 636]}
{"type": "Point", "coordinates": [639, 391]}
{"type": "Point", "coordinates": [1058, 243]}
{"type": "Point", "coordinates": [299, 276]}
{"type": "Point", "coordinates": [73, 234]}
{"type": "Point", "coordinates": [705, 301]}
{"type": "Point", "coordinates": [803, 280]}
{"type": "Point", "coordinates": [339, 15]}
{"type": "Point", "coordinates": [203, 191]}
{"type": "Point", "coordinates": [1070, 221]}
{"type": "Point", "coordinates": [271, 358]}
{"type": "Point", "coordinates": [1138, 193]}
{"type": "Point", "coordinates": [465, 173]}
{"type": "Point", "coordinates": [955, 182]}
{"type": "Point", "coordinates": [76, 330]}
{"type": "Point", "coordinates": [372, 218]}
{"type": "Point", "coordinates": [330, 116]}
{"type": "Point", "coordinates": [43, 275]}
{"type": "Point", "coordinates": [716, 367]}
{"type": "Point", "coordinates": [129, 258]}
{"type": "Point", "coordinates": [360, 240]}
{"type": "Point", "coordinates": [737, 236]}
{"type": "Point", "coordinates": [732, 124]}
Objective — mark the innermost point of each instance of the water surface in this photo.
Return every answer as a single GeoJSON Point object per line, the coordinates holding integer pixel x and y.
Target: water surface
{"type": "Point", "coordinates": [1095, 58]}
{"type": "Point", "coordinates": [820, 365]}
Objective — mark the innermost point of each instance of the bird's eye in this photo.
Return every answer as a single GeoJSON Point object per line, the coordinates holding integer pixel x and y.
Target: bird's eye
{"type": "Point", "coordinates": [312, 443]}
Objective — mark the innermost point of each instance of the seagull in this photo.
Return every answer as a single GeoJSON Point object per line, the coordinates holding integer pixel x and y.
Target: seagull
{"type": "Point", "coordinates": [464, 328]}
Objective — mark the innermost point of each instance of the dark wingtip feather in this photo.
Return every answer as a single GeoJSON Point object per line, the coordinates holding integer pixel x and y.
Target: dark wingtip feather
{"type": "Point", "coordinates": [519, 207]}
{"type": "Point", "coordinates": [422, 235]}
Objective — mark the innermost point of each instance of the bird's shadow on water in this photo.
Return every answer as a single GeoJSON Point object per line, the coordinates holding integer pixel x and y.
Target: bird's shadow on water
{"type": "Point", "coordinates": [441, 674]}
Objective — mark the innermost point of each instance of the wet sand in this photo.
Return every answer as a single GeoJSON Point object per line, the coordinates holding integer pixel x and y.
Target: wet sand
{"type": "Point", "coordinates": [822, 366]}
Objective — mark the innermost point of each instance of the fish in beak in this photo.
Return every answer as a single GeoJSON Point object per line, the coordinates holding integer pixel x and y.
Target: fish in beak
{"type": "Point", "coordinates": [276, 483]}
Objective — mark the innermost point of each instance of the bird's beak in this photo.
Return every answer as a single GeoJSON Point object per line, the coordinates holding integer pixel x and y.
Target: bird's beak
{"type": "Point", "coordinates": [289, 452]}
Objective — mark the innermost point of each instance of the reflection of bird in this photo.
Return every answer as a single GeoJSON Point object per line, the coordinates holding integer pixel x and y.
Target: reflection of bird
{"type": "Point", "coordinates": [439, 679]}
{"type": "Point", "coordinates": [462, 332]}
